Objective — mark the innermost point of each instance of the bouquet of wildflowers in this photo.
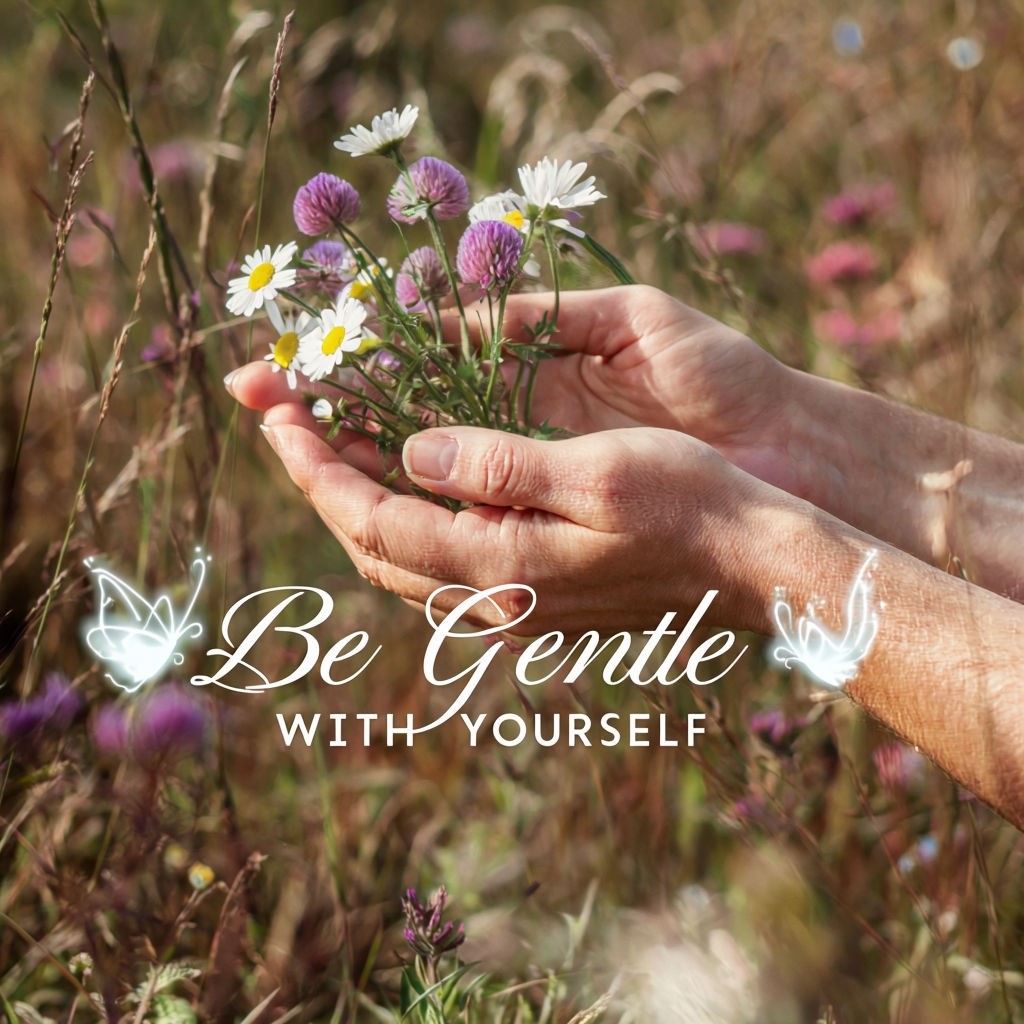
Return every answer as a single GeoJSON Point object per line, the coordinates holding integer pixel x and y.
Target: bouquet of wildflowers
{"type": "Point", "coordinates": [400, 349]}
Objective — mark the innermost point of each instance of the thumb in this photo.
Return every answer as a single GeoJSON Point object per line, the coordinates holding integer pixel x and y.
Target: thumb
{"type": "Point", "coordinates": [492, 467]}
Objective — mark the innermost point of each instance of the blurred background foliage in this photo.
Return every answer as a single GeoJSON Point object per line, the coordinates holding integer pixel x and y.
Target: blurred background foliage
{"type": "Point", "coordinates": [795, 864]}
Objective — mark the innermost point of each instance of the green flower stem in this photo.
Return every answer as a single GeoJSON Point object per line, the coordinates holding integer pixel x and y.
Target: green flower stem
{"type": "Point", "coordinates": [359, 247]}
{"type": "Point", "coordinates": [384, 413]}
{"type": "Point", "coordinates": [292, 297]}
{"type": "Point", "coordinates": [442, 251]}
{"type": "Point", "coordinates": [549, 244]}
{"type": "Point", "coordinates": [495, 353]}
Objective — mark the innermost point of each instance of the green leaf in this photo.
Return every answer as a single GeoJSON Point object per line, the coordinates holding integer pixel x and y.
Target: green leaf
{"type": "Point", "coordinates": [167, 1009]}
{"type": "Point", "coordinates": [618, 270]}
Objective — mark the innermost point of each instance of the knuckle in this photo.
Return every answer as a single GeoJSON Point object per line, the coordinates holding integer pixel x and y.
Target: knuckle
{"type": "Point", "coordinates": [371, 571]}
{"type": "Point", "coordinates": [500, 469]}
{"type": "Point", "coordinates": [365, 535]}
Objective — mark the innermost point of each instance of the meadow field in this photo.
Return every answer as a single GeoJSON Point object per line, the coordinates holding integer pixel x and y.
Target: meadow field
{"type": "Point", "coordinates": [842, 183]}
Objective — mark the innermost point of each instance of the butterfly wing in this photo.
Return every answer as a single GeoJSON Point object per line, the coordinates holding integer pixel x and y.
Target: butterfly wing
{"type": "Point", "coordinates": [133, 637]}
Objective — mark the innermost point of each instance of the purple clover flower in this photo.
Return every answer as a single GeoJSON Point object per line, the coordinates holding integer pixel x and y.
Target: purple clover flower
{"type": "Point", "coordinates": [333, 266]}
{"type": "Point", "coordinates": [168, 724]}
{"type": "Point", "coordinates": [489, 253]}
{"type": "Point", "coordinates": [324, 202]}
{"type": "Point", "coordinates": [421, 278]}
{"type": "Point", "coordinates": [428, 184]}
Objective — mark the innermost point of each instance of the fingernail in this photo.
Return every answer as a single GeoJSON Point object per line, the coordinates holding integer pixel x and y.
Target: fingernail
{"type": "Point", "coordinates": [270, 434]}
{"type": "Point", "coordinates": [229, 378]}
{"type": "Point", "coordinates": [430, 458]}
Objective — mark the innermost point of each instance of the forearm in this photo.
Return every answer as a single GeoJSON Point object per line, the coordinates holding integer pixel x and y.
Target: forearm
{"type": "Point", "coordinates": [944, 668]}
{"type": "Point", "coordinates": [936, 489]}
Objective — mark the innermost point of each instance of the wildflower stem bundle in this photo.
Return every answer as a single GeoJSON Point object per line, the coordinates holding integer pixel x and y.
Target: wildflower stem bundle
{"type": "Point", "coordinates": [424, 347]}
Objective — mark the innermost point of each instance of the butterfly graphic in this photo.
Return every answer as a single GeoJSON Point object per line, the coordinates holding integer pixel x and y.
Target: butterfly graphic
{"type": "Point", "coordinates": [138, 640]}
{"type": "Point", "coordinates": [832, 659]}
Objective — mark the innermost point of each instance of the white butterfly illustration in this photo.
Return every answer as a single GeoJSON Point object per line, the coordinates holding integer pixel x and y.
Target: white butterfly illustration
{"type": "Point", "coordinates": [832, 659]}
{"type": "Point", "coordinates": [138, 640]}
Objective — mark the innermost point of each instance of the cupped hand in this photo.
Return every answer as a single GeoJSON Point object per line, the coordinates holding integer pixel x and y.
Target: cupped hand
{"type": "Point", "coordinates": [635, 356]}
{"type": "Point", "coordinates": [611, 529]}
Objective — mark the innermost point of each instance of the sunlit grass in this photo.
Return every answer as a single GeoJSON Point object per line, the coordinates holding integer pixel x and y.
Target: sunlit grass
{"type": "Point", "coordinates": [772, 872]}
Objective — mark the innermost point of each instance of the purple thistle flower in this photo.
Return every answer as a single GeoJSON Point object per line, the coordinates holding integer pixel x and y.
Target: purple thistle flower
{"type": "Point", "coordinates": [333, 267]}
{"type": "Point", "coordinates": [489, 253]}
{"type": "Point", "coordinates": [429, 184]}
{"type": "Point", "coordinates": [421, 279]}
{"type": "Point", "coordinates": [324, 202]}
{"type": "Point", "coordinates": [169, 723]}
{"type": "Point", "coordinates": [110, 729]}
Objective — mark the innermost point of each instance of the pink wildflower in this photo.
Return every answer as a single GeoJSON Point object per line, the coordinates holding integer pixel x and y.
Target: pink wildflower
{"type": "Point", "coordinates": [859, 204]}
{"type": "Point", "coordinates": [725, 239]}
{"type": "Point", "coordinates": [842, 262]}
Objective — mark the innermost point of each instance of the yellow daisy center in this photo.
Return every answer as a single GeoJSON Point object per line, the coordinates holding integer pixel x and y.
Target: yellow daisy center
{"type": "Point", "coordinates": [332, 341]}
{"type": "Point", "coordinates": [515, 218]}
{"type": "Point", "coordinates": [360, 289]}
{"type": "Point", "coordinates": [260, 276]}
{"type": "Point", "coordinates": [285, 348]}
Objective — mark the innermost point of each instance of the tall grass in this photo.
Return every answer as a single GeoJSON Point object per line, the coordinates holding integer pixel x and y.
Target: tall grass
{"type": "Point", "coordinates": [774, 872]}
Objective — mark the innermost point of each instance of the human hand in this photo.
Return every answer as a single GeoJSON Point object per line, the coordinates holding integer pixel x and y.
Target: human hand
{"type": "Point", "coordinates": [610, 529]}
{"type": "Point", "coordinates": [633, 356]}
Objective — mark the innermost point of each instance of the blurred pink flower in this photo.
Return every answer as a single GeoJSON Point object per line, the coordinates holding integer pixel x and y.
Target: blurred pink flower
{"type": "Point", "coordinates": [726, 238]}
{"type": "Point", "coordinates": [178, 162]}
{"type": "Point", "coordinates": [775, 729]}
{"type": "Point", "coordinates": [161, 346]}
{"type": "Point", "coordinates": [897, 765]}
{"type": "Point", "coordinates": [842, 262]}
{"type": "Point", "coordinates": [842, 328]}
{"type": "Point", "coordinates": [859, 204]}
{"type": "Point", "coordinates": [90, 242]}
{"type": "Point", "coordinates": [110, 729]}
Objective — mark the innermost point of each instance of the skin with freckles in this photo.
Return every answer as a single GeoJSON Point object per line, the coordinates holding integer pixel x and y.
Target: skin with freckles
{"type": "Point", "coordinates": [703, 463]}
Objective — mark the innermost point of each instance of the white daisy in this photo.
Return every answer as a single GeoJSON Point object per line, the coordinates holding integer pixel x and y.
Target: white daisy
{"type": "Point", "coordinates": [291, 328]}
{"type": "Point", "coordinates": [385, 132]}
{"type": "Point", "coordinates": [263, 276]}
{"type": "Point", "coordinates": [508, 206]}
{"type": "Point", "coordinates": [549, 185]}
{"type": "Point", "coordinates": [338, 331]}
